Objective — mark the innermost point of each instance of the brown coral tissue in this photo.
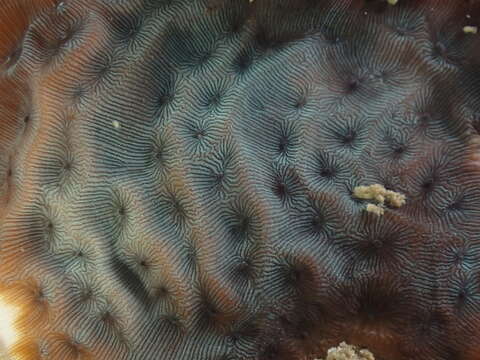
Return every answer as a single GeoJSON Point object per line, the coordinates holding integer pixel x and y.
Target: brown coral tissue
{"type": "Point", "coordinates": [177, 178]}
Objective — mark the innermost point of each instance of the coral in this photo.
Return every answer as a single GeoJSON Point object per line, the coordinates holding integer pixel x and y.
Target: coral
{"type": "Point", "coordinates": [177, 178]}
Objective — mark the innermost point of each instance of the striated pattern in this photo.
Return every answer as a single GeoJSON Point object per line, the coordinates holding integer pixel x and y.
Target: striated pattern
{"type": "Point", "coordinates": [176, 178]}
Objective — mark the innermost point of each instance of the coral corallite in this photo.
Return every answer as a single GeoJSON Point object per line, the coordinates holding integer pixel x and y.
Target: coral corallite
{"type": "Point", "coordinates": [177, 178]}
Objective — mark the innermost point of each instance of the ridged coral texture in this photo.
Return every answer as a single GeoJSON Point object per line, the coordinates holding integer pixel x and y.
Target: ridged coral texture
{"type": "Point", "coordinates": [177, 178]}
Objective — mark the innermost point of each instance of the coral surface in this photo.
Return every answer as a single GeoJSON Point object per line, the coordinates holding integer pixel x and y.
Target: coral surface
{"type": "Point", "coordinates": [177, 177]}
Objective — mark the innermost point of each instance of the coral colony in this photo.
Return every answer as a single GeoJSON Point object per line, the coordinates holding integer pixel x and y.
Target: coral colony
{"type": "Point", "coordinates": [240, 179]}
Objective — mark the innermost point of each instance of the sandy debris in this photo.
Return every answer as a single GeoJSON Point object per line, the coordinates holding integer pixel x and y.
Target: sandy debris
{"type": "Point", "coordinates": [380, 196]}
{"type": "Point", "coordinates": [348, 352]}
{"type": "Point", "coordinates": [377, 210]}
{"type": "Point", "coordinates": [470, 29]}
